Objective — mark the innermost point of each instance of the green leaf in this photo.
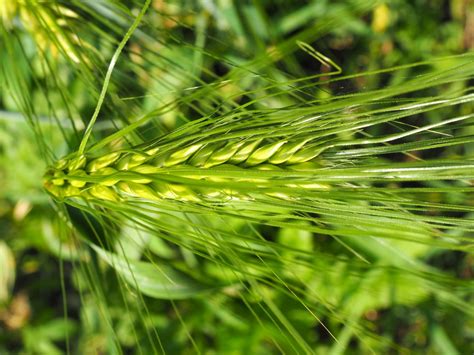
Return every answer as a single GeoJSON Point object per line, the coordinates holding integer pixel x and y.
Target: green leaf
{"type": "Point", "coordinates": [158, 281]}
{"type": "Point", "coordinates": [442, 341]}
{"type": "Point", "coordinates": [296, 238]}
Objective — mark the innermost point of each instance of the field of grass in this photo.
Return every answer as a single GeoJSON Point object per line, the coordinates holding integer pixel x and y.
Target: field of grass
{"type": "Point", "coordinates": [236, 177]}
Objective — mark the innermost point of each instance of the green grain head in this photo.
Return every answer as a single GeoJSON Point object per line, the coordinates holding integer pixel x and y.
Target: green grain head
{"type": "Point", "coordinates": [146, 173]}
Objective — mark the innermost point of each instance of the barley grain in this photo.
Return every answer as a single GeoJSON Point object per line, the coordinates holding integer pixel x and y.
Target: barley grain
{"type": "Point", "coordinates": [133, 173]}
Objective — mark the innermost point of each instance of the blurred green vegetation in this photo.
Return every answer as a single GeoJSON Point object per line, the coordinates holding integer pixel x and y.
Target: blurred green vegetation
{"type": "Point", "coordinates": [57, 297]}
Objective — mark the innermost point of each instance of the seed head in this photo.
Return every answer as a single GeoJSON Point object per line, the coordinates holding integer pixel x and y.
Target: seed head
{"type": "Point", "coordinates": [140, 173]}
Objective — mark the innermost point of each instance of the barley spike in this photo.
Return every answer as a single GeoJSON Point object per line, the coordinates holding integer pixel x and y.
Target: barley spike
{"type": "Point", "coordinates": [139, 173]}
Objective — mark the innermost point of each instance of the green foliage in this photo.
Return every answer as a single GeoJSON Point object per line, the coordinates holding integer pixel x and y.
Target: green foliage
{"type": "Point", "coordinates": [346, 227]}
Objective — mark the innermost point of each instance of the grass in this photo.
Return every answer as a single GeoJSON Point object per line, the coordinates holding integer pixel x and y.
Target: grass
{"type": "Point", "coordinates": [363, 245]}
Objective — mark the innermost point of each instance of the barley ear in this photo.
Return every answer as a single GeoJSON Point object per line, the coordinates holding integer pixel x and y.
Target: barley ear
{"type": "Point", "coordinates": [181, 155]}
{"type": "Point", "coordinates": [263, 153]}
{"type": "Point", "coordinates": [244, 152]}
{"type": "Point", "coordinates": [77, 163]}
{"type": "Point", "coordinates": [102, 162]}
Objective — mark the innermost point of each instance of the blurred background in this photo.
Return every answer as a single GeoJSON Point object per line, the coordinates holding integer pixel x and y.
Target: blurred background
{"type": "Point", "coordinates": [48, 301]}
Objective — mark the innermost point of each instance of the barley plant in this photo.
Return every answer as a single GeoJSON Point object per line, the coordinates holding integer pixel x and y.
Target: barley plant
{"type": "Point", "coordinates": [231, 177]}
